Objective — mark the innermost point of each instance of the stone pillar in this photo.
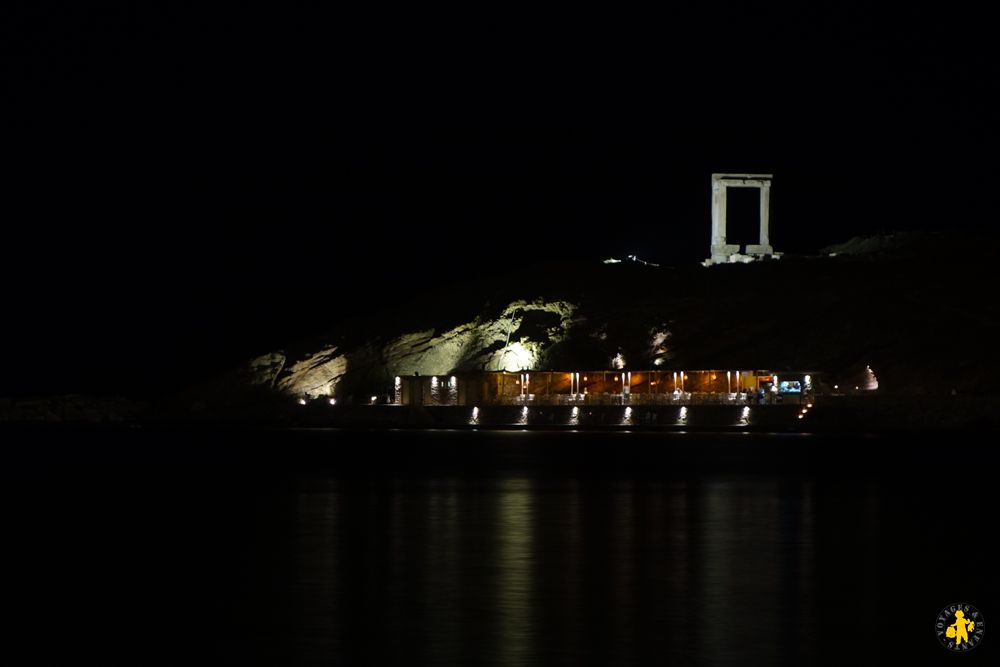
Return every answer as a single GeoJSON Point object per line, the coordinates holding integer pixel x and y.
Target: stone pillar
{"type": "Point", "coordinates": [718, 213]}
{"type": "Point", "coordinates": [720, 249]}
{"type": "Point", "coordinates": [765, 215]}
{"type": "Point", "coordinates": [763, 245]}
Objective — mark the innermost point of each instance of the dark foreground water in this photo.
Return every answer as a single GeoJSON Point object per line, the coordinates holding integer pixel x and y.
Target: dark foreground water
{"type": "Point", "coordinates": [456, 548]}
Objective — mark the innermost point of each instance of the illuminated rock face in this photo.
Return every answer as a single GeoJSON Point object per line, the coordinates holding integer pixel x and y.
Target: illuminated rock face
{"type": "Point", "coordinates": [315, 375]}
{"type": "Point", "coordinates": [492, 344]}
{"type": "Point", "coordinates": [518, 339]}
{"type": "Point", "coordinates": [659, 353]}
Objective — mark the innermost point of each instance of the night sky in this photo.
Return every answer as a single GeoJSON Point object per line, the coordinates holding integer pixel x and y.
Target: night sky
{"type": "Point", "coordinates": [183, 186]}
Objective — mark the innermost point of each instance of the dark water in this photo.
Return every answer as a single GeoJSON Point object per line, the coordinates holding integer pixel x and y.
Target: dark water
{"type": "Point", "coordinates": [452, 548]}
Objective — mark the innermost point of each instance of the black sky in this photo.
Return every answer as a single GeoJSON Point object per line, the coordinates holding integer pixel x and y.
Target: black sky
{"type": "Point", "coordinates": [184, 181]}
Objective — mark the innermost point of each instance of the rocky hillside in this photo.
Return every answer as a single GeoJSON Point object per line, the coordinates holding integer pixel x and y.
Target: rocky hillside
{"type": "Point", "coordinates": [540, 333]}
{"type": "Point", "coordinates": [909, 306]}
{"type": "Point", "coordinates": [523, 335]}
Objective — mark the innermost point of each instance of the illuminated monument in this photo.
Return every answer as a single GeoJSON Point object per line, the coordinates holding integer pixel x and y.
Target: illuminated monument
{"type": "Point", "coordinates": [722, 252]}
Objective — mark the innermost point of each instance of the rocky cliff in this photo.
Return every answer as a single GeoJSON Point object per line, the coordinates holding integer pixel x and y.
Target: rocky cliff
{"type": "Point", "coordinates": [523, 335]}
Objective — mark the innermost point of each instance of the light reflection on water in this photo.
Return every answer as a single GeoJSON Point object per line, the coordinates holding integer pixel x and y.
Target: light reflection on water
{"type": "Point", "coordinates": [515, 594]}
{"type": "Point", "coordinates": [516, 570]}
{"type": "Point", "coordinates": [453, 548]}
{"type": "Point", "coordinates": [510, 548]}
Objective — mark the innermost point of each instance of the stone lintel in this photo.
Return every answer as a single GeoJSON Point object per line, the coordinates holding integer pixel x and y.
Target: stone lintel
{"type": "Point", "coordinates": [744, 183]}
{"type": "Point", "coordinates": [756, 177]}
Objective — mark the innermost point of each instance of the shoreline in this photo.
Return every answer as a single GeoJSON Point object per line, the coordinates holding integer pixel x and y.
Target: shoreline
{"type": "Point", "coordinates": [879, 414]}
